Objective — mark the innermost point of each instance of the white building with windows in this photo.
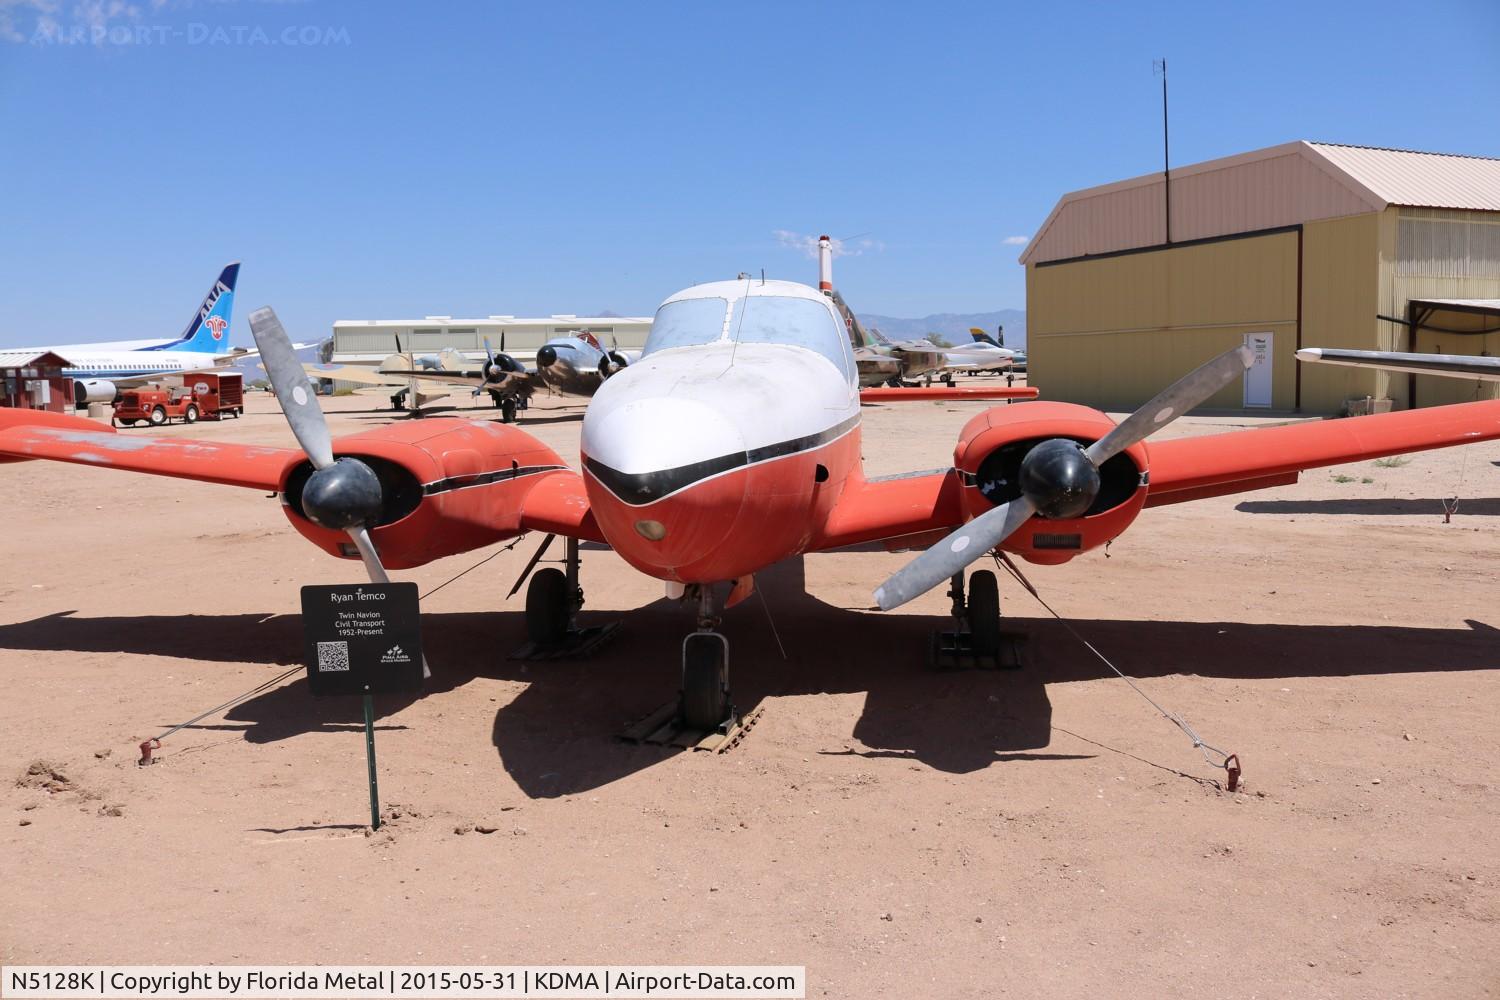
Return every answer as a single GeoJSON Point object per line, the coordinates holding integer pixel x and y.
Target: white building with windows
{"type": "Point", "coordinates": [369, 342]}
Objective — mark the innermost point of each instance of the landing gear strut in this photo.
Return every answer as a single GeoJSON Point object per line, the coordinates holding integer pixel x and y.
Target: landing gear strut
{"type": "Point", "coordinates": [976, 640]}
{"type": "Point", "coordinates": [553, 598]}
{"type": "Point", "coordinates": [705, 702]}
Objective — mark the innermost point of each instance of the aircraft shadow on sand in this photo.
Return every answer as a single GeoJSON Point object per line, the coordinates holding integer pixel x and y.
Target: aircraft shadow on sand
{"type": "Point", "coordinates": [557, 736]}
{"type": "Point", "coordinates": [1367, 505]}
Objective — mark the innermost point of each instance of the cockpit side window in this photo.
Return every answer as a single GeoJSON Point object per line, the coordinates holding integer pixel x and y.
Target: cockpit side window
{"type": "Point", "coordinates": [781, 319]}
{"type": "Point", "coordinates": [686, 323]}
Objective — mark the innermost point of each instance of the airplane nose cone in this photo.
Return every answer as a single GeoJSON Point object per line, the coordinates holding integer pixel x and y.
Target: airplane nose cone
{"type": "Point", "coordinates": [666, 481]}
{"type": "Point", "coordinates": [545, 356]}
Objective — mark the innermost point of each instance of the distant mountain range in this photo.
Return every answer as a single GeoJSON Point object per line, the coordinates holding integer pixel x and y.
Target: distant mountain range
{"type": "Point", "coordinates": [953, 327]}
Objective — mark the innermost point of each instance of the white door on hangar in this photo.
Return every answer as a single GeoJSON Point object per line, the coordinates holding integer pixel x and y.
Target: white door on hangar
{"type": "Point", "coordinates": [1258, 375]}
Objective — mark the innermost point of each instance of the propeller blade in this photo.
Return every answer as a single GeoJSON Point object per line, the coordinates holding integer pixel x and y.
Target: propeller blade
{"type": "Point", "coordinates": [489, 353]}
{"type": "Point", "coordinates": [292, 391]}
{"type": "Point", "coordinates": [361, 538]}
{"type": "Point", "coordinates": [1193, 389]}
{"type": "Point", "coordinates": [950, 556]}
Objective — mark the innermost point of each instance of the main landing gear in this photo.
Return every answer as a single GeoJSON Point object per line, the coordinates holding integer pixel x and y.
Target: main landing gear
{"type": "Point", "coordinates": [553, 599]}
{"type": "Point", "coordinates": [977, 640]}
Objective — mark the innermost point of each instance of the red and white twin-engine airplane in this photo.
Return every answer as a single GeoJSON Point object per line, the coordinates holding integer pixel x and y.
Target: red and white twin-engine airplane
{"type": "Point", "coordinates": [700, 468]}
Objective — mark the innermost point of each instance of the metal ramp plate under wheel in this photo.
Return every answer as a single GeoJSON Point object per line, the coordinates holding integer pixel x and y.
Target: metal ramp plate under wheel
{"type": "Point", "coordinates": [664, 727]}
{"type": "Point", "coordinates": [577, 644]}
{"type": "Point", "coordinates": [955, 651]}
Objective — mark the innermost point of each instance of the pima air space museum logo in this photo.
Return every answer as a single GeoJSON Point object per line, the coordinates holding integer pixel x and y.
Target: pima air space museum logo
{"type": "Point", "coordinates": [395, 655]}
{"type": "Point", "coordinates": [216, 325]}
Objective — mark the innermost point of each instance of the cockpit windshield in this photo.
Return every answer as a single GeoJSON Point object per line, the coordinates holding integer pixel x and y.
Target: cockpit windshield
{"type": "Point", "coordinates": [777, 319]}
{"type": "Point", "coordinates": [687, 323]}
{"type": "Point", "coordinates": [754, 319]}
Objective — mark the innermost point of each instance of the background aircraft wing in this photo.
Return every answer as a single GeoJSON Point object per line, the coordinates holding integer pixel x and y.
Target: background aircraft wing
{"type": "Point", "coordinates": [357, 374]}
{"type": "Point", "coordinates": [1240, 461]}
{"type": "Point", "coordinates": [516, 382]}
{"type": "Point", "coordinates": [1452, 365]}
{"type": "Point", "coordinates": [26, 434]}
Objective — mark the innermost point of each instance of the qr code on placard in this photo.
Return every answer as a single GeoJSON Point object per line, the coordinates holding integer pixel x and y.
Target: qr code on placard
{"type": "Point", "coordinates": [333, 656]}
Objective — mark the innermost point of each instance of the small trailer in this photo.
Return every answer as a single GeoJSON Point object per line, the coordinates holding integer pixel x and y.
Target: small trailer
{"type": "Point", "coordinates": [209, 396]}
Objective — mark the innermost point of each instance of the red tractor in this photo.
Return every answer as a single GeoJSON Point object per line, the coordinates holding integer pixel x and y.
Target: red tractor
{"type": "Point", "coordinates": [211, 396]}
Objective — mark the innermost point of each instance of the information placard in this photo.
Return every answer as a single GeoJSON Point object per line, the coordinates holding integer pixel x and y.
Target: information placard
{"type": "Point", "coordinates": [362, 638]}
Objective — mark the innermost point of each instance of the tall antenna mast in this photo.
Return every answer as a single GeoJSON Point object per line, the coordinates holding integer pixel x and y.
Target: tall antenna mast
{"type": "Point", "coordinates": [1160, 65]}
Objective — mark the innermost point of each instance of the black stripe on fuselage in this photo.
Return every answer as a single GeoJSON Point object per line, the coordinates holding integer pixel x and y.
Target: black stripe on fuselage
{"type": "Point", "coordinates": [641, 488]}
{"type": "Point", "coordinates": [486, 478]}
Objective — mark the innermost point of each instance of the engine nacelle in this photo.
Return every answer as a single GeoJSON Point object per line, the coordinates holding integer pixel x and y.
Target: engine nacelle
{"type": "Point", "coordinates": [448, 486]}
{"type": "Point", "coordinates": [94, 390]}
{"type": "Point", "coordinates": [612, 362]}
{"type": "Point", "coordinates": [988, 459]}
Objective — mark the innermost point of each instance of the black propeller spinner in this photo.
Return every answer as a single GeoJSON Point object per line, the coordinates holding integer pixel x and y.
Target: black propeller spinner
{"type": "Point", "coordinates": [343, 495]}
{"type": "Point", "coordinates": [1059, 479]}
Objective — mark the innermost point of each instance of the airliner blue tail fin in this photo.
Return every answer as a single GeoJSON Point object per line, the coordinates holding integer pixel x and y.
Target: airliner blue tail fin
{"type": "Point", "coordinates": [208, 330]}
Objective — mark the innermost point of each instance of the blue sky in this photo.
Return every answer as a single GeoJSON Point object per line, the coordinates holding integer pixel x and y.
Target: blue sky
{"type": "Point", "coordinates": [391, 160]}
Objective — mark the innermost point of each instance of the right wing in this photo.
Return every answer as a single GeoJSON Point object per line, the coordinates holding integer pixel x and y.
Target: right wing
{"type": "Point", "coordinates": [27, 434]}
{"type": "Point", "coordinates": [1452, 365]}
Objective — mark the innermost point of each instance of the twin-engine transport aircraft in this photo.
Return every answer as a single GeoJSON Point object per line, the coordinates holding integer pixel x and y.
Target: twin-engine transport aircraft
{"type": "Point", "coordinates": [100, 370]}
{"type": "Point", "coordinates": [700, 469]}
{"type": "Point", "coordinates": [570, 366]}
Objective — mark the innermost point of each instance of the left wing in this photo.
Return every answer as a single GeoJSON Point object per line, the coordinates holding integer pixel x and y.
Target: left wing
{"type": "Point", "coordinates": [1240, 461]}
{"type": "Point", "coordinates": [910, 506]}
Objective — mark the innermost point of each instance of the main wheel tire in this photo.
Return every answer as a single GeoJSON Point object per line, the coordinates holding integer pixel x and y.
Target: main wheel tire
{"type": "Point", "coordinates": [983, 613]}
{"type": "Point", "coordinates": [507, 410]}
{"type": "Point", "coordinates": [190, 415]}
{"type": "Point", "coordinates": [547, 606]}
{"type": "Point", "coordinates": [158, 416]}
{"type": "Point", "coordinates": [705, 702]}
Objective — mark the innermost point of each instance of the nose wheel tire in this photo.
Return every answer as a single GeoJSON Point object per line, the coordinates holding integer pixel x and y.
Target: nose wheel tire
{"type": "Point", "coordinates": [983, 612]}
{"type": "Point", "coordinates": [547, 607]}
{"type": "Point", "coordinates": [705, 681]}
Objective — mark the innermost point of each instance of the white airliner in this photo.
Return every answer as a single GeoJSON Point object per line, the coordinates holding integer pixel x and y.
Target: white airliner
{"type": "Point", "coordinates": [100, 370]}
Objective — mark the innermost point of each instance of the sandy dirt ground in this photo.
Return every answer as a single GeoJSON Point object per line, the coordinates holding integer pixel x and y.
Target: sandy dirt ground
{"type": "Point", "coordinates": [899, 831]}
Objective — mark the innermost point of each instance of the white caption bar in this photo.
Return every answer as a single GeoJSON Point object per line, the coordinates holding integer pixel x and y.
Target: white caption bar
{"type": "Point", "coordinates": [373, 982]}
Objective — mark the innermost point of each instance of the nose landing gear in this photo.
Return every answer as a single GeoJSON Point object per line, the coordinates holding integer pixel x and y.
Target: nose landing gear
{"type": "Point", "coordinates": [704, 716]}
{"type": "Point", "coordinates": [705, 703]}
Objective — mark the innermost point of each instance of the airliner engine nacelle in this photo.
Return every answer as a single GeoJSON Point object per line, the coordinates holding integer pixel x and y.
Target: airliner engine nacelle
{"type": "Point", "coordinates": [433, 495]}
{"type": "Point", "coordinates": [1037, 448]}
{"type": "Point", "coordinates": [94, 390]}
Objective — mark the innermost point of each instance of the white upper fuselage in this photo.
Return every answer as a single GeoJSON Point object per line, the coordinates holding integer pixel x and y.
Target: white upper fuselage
{"type": "Point", "coordinates": [722, 449]}
{"type": "Point", "coordinates": [705, 386]}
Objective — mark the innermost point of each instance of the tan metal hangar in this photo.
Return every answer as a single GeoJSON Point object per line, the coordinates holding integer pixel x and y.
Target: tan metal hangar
{"type": "Point", "coordinates": [1304, 244]}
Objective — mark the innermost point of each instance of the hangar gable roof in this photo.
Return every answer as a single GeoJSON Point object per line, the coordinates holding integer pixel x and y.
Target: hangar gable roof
{"type": "Point", "coordinates": [1268, 188]}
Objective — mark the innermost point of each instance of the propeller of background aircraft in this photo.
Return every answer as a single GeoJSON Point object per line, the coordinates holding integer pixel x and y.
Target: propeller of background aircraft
{"type": "Point", "coordinates": [1058, 479]}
